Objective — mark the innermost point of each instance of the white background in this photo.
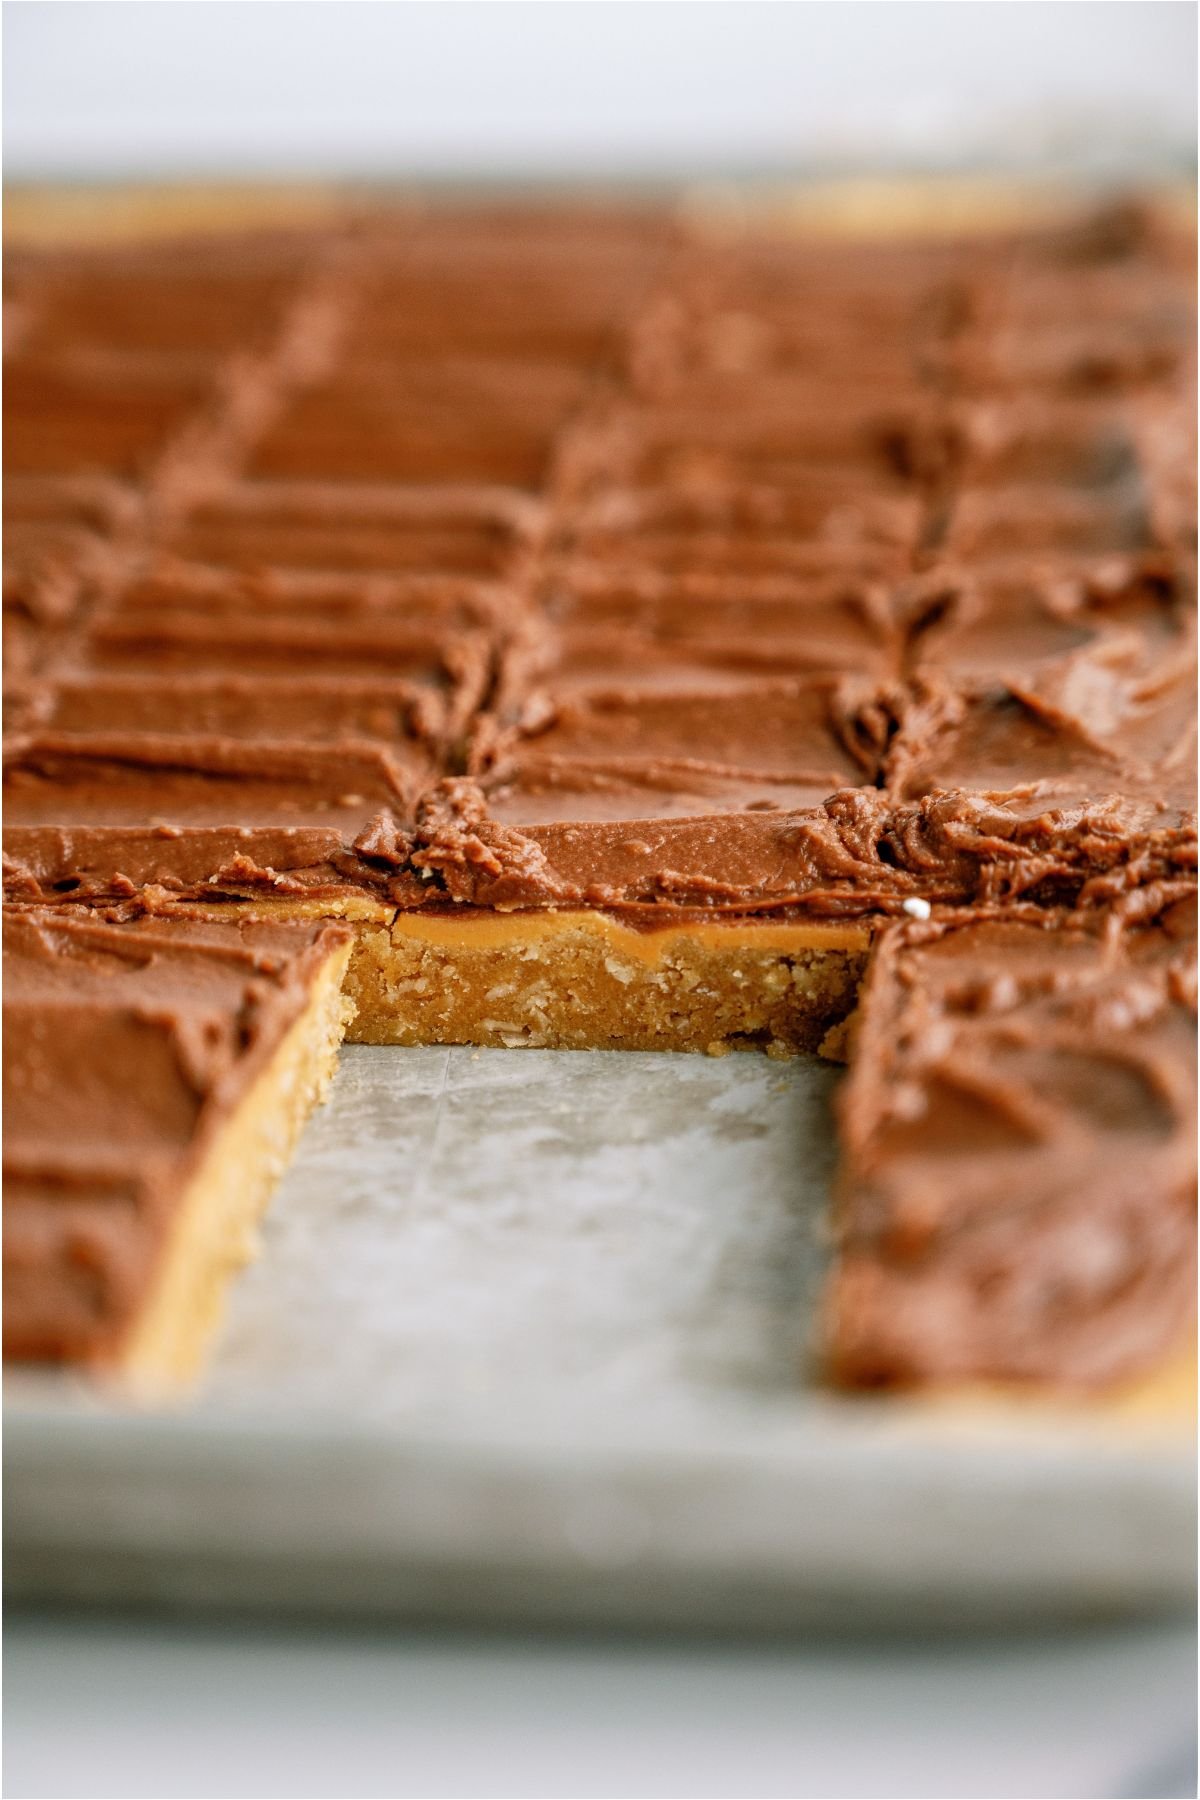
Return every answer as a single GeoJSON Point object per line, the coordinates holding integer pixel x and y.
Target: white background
{"type": "Point", "coordinates": [131, 1711]}
{"type": "Point", "coordinates": [143, 87]}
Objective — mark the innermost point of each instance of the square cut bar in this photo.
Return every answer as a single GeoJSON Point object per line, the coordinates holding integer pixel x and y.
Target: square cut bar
{"type": "Point", "coordinates": [212, 297]}
{"type": "Point", "coordinates": [581, 979]}
{"type": "Point", "coordinates": [339, 528]}
{"type": "Point", "coordinates": [1017, 1192]}
{"type": "Point", "coordinates": [452, 420]}
{"type": "Point", "coordinates": [157, 1075]}
{"type": "Point", "coordinates": [434, 639]}
{"type": "Point", "coordinates": [520, 285]}
{"type": "Point", "coordinates": [1088, 634]}
{"type": "Point", "coordinates": [705, 630]}
{"type": "Point", "coordinates": [1042, 762]}
{"type": "Point", "coordinates": [67, 415]}
{"type": "Point", "coordinates": [737, 531]}
{"type": "Point", "coordinates": [604, 880]}
{"type": "Point", "coordinates": [90, 820]}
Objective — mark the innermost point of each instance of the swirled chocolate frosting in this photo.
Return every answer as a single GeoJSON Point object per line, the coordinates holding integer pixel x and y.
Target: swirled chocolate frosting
{"type": "Point", "coordinates": [128, 1047]}
{"type": "Point", "coordinates": [570, 557]}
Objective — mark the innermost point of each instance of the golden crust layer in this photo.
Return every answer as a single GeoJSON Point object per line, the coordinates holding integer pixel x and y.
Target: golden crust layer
{"type": "Point", "coordinates": [581, 981]}
{"type": "Point", "coordinates": [157, 1074]}
{"type": "Point", "coordinates": [216, 1230]}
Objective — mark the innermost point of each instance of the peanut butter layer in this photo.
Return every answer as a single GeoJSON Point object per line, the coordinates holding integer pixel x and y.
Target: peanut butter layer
{"type": "Point", "coordinates": [584, 980]}
{"type": "Point", "coordinates": [129, 1050]}
{"type": "Point", "coordinates": [1016, 1199]}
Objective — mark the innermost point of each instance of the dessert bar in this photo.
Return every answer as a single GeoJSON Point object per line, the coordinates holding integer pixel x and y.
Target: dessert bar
{"type": "Point", "coordinates": [157, 1075]}
{"type": "Point", "coordinates": [594, 627]}
{"type": "Point", "coordinates": [1017, 1183]}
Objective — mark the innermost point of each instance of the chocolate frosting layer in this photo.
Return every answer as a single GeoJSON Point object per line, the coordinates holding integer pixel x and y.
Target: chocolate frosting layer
{"type": "Point", "coordinates": [758, 610]}
{"type": "Point", "coordinates": [93, 821]}
{"type": "Point", "coordinates": [859, 852]}
{"type": "Point", "coordinates": [1016, 1200]}
{"type": "Point", "coordinates": [127, 1047]}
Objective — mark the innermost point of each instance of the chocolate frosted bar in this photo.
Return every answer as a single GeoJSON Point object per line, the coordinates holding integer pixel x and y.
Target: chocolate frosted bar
{"type": "Point", "coordinates": [625, 627]}
{"type": "Point", "coordinates": [1017, 1193]}
{"type": "Point", "coordinates": [156, 1075]}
